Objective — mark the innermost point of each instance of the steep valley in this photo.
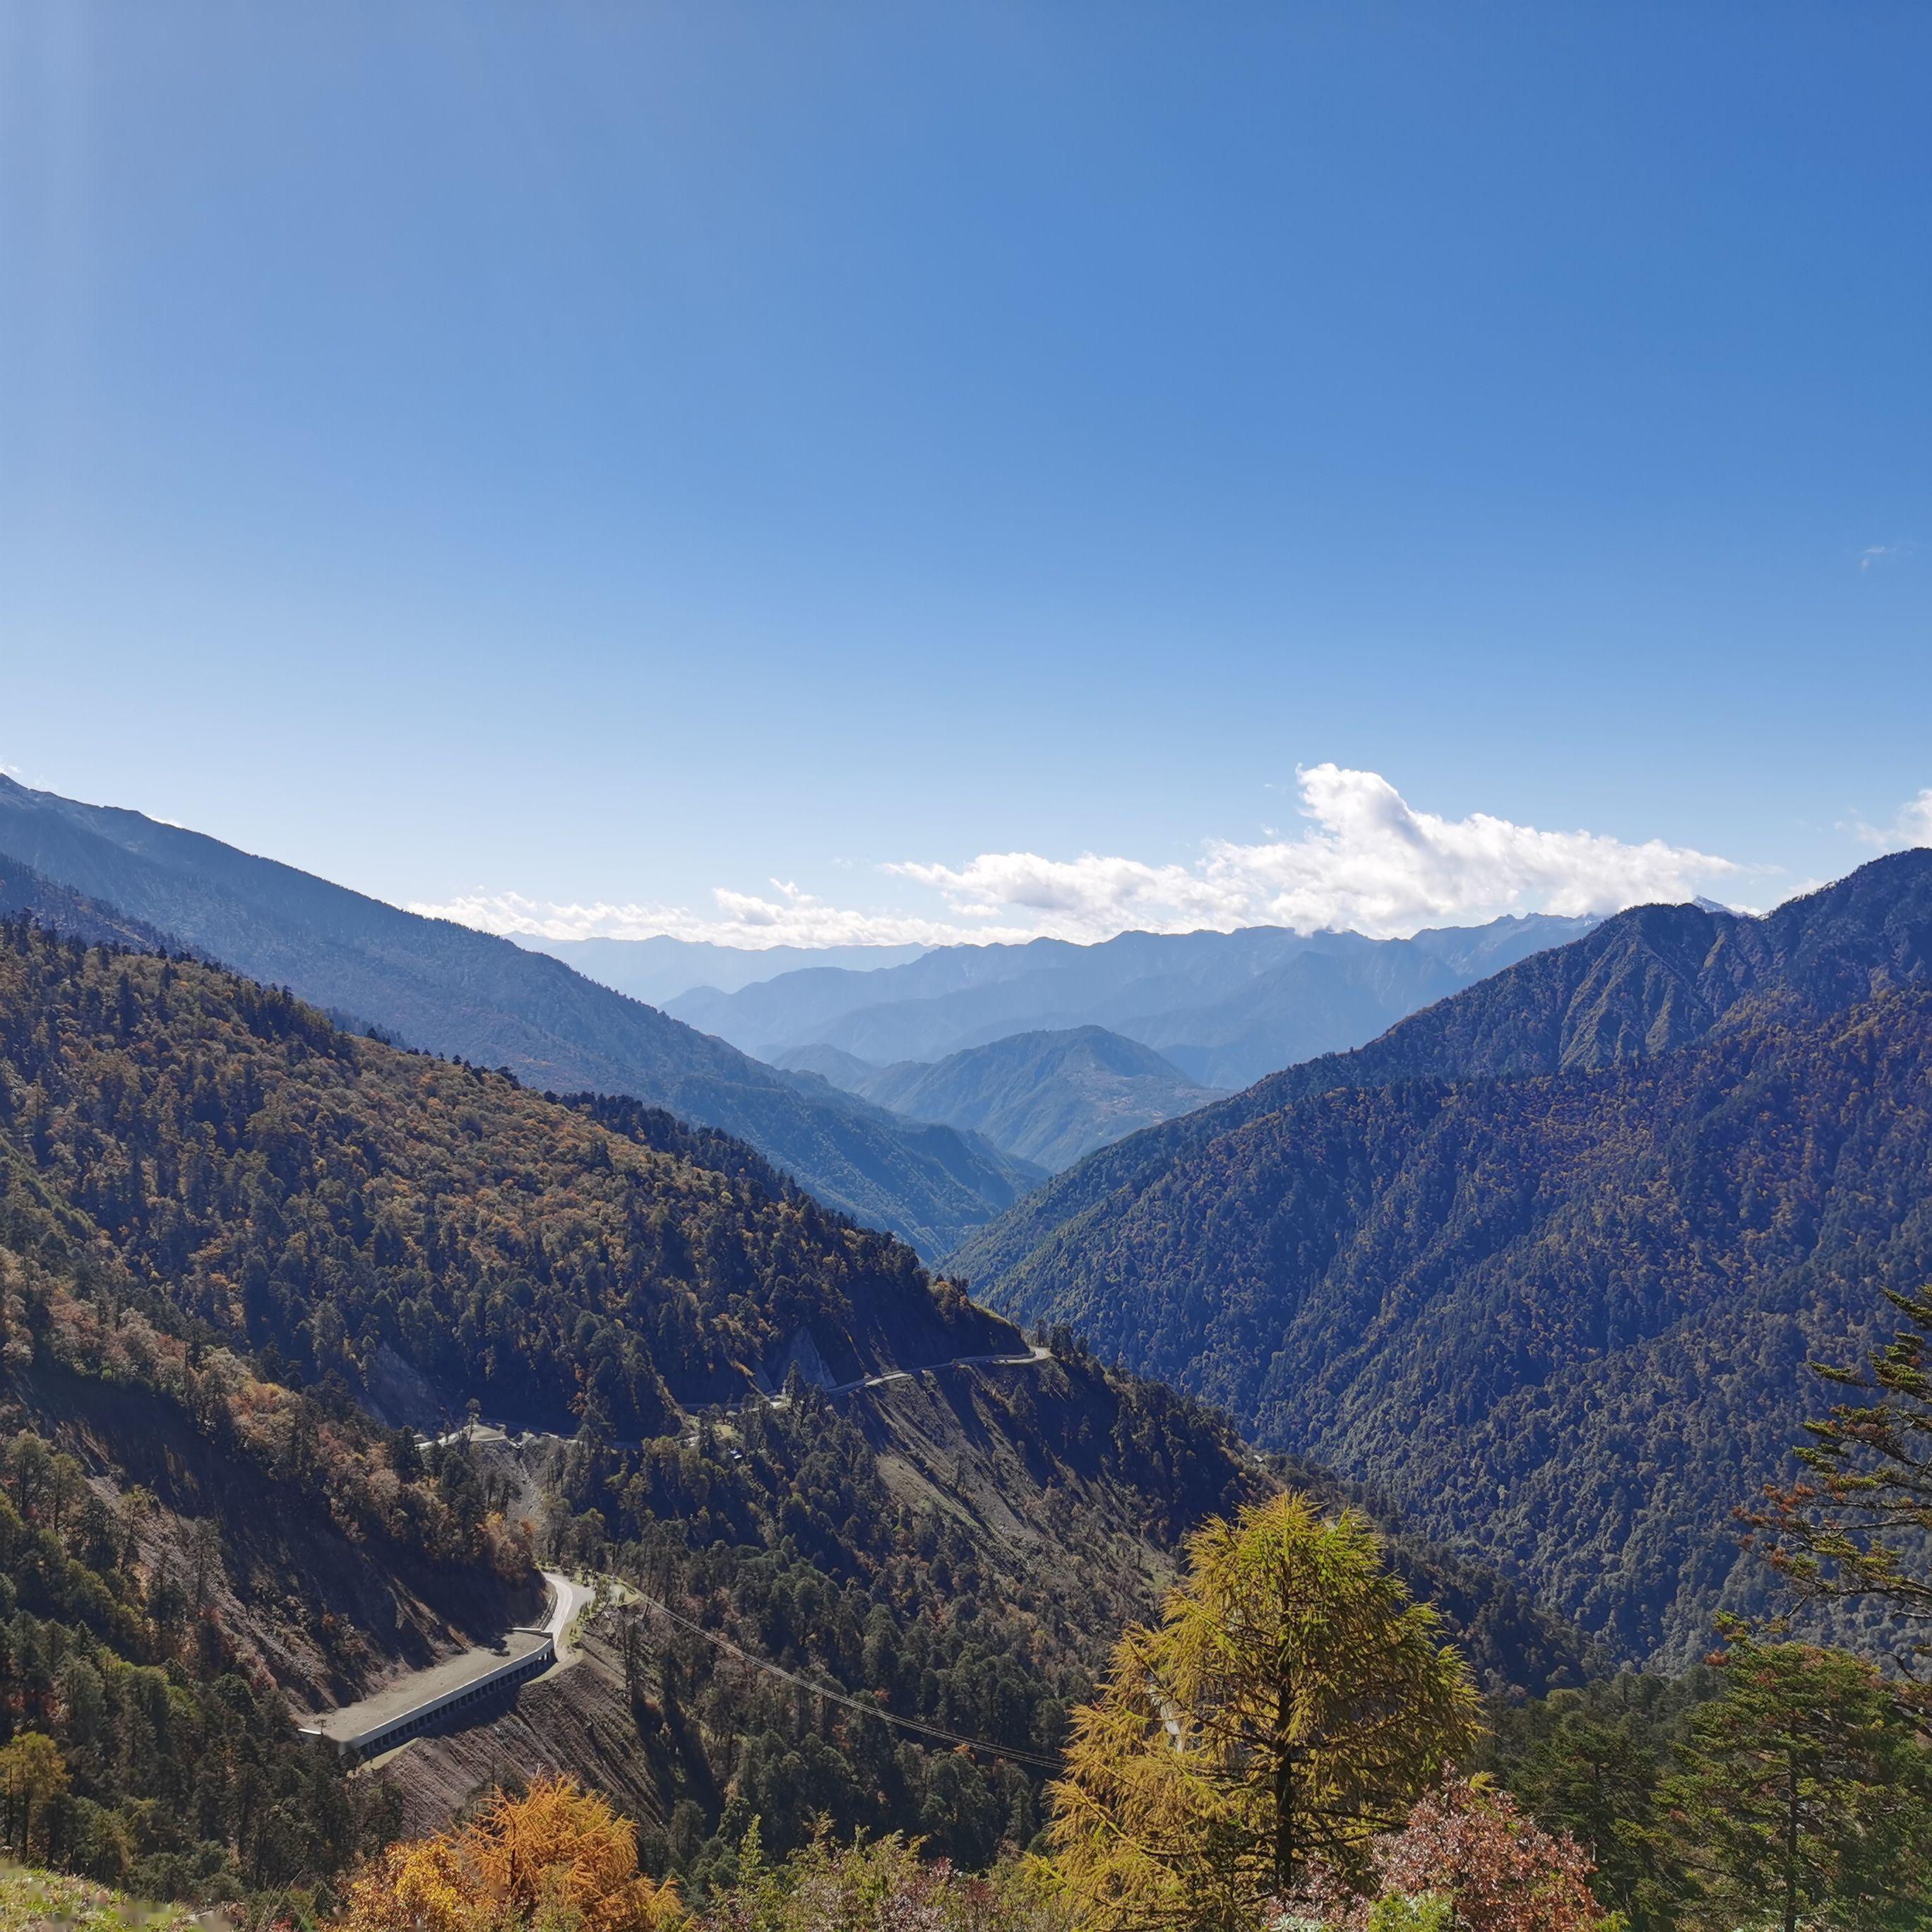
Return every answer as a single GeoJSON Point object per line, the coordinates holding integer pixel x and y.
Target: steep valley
{"type": "Point", "coordinates": [241, 1243]}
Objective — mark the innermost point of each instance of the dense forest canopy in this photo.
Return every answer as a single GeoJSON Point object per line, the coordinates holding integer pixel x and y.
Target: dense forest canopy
{"type": "Point", "coordinates": [1546, 1263]}
{"type": "Point", "coordinates": [1566, 1321]}
{"type": "Point", "coordinates": [297, 1189]}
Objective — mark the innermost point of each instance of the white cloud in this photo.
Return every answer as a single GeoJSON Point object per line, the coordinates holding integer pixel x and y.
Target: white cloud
{"type": "Point", "coordinates": [1873, 554]}
{"type": "Point", "coordinates": [1365, 859]}
{"type": "Point", "coordinates": [1912, 826]}
{"type": "Point", "coordinates": [742, 918]}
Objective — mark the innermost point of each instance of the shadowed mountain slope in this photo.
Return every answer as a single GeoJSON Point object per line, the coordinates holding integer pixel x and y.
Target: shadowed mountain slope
{"type": "Point", "coordinates": [450, 990]}
{"type": "Point", "coordinates": [25, 892]}
{"type": "Point", "coordinates": [1562, 1323]}
{"type": "Point", "coordinates": [1546, 1263]}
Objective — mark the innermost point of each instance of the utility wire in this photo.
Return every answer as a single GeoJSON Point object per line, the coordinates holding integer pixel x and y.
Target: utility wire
{"type": "Point", "coordinates": [865, 1710]}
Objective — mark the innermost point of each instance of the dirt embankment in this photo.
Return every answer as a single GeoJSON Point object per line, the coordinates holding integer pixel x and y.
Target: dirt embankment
{"type": "Point", "coordinates": [328, 1618]}
{"type": "Point", "coordinates": [578, 1722]}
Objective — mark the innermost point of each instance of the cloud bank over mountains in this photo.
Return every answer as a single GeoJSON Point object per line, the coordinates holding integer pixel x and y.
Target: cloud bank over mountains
{"type": "Point", "coordinates": [1365, 859]}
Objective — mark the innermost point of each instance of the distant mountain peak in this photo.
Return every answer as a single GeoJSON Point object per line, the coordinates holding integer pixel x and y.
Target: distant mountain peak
{"type": "Point", "coordinates": [1225, 1007]}
{"type": "Point", "coordinates": [1046, 1095]}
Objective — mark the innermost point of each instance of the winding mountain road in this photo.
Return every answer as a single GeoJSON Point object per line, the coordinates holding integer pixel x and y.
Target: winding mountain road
{"type": "Point", "coordinates": [485, 1431]}
{"type": "Point", "coordinates": [567, 1599]}
{"type": "Point", "coordinates": [400, 1711]}
{"type": "Point", "coordinates": [1032, 1357]}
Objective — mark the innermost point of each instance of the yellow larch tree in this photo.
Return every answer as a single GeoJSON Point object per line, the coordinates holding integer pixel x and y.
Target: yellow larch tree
{"type": "Point", "coordinates": [1292, 1703]}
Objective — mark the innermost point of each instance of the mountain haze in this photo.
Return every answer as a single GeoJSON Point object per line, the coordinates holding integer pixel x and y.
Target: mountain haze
{"type": "Point", "coordinates": [657, 969]}
{"type": "Point", "coordinates": [450, 990]}
{"type": "Point", "coordinates": [1046, 1097]}
{"type": "Point", "coordinates": [1225, 1007]}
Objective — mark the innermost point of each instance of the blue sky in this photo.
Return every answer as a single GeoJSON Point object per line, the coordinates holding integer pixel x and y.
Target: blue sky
{"type": "Point", "coordinates": [608, 454]}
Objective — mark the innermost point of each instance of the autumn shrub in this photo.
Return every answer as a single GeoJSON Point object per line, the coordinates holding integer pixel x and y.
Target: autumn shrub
{"type": "Point", "coordinates": [556, 1859]}
{"type": "Point", "coordinates": [883, 1884]}
{"type": "Point", "coordinates": [1466, 1860]}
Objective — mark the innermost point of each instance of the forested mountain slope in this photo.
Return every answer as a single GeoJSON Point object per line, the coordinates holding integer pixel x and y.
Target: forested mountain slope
{"type": "Point", "coordinates": [450, 990]}
{"type": "Point", "coordinates": [1046, 1097]}
{"type": "Point", "coordinates": [1563, 1321]}
{"type": "Point", "coordinates": [299, 1189]}
{"type": "Point", "coordinates": [1642, 982]}
{"type": "Point", "coordinates": [230, 1228]}
{"type": "Point", "coordinates": [25, 893]}
{"type": "Point", "coordinates": [960, 1549]}
{"type": "Point", "coordinates": [182, 1542]}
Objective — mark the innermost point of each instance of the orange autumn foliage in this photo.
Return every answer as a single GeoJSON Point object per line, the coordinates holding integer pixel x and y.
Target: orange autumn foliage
{"type": "Point", "coordinates": [557, 1858]}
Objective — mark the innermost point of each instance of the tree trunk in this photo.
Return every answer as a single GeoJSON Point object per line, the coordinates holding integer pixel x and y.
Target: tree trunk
{"type": "Point", "coordinates": [1790, 1843]}
{"type": "Point", "coordinates": [1287, 1847]}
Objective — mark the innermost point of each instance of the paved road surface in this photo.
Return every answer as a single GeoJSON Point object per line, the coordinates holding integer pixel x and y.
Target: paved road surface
{"type": "Point", "coordinates": [493, 1431]}
{"type": "Point", "coordinates": [438, 1681]}
{"type": "Point", "coordinates": [567, 1599]}
{"type": "Point", "coordinates": [1032, 1355]}
{"type": "Point", "coordinates": [1031, 1358]}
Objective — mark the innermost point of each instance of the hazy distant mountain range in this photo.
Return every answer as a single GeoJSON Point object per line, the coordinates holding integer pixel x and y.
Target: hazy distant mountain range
{"type": "Point", "coordinates": [1047, 1097]}
{"type": "Point", "coordinates": [1225, 1008]}
{"type": "Point", "coordinates": [657, 969]}
{"type": "Point", "coordinates": [446, 988]}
